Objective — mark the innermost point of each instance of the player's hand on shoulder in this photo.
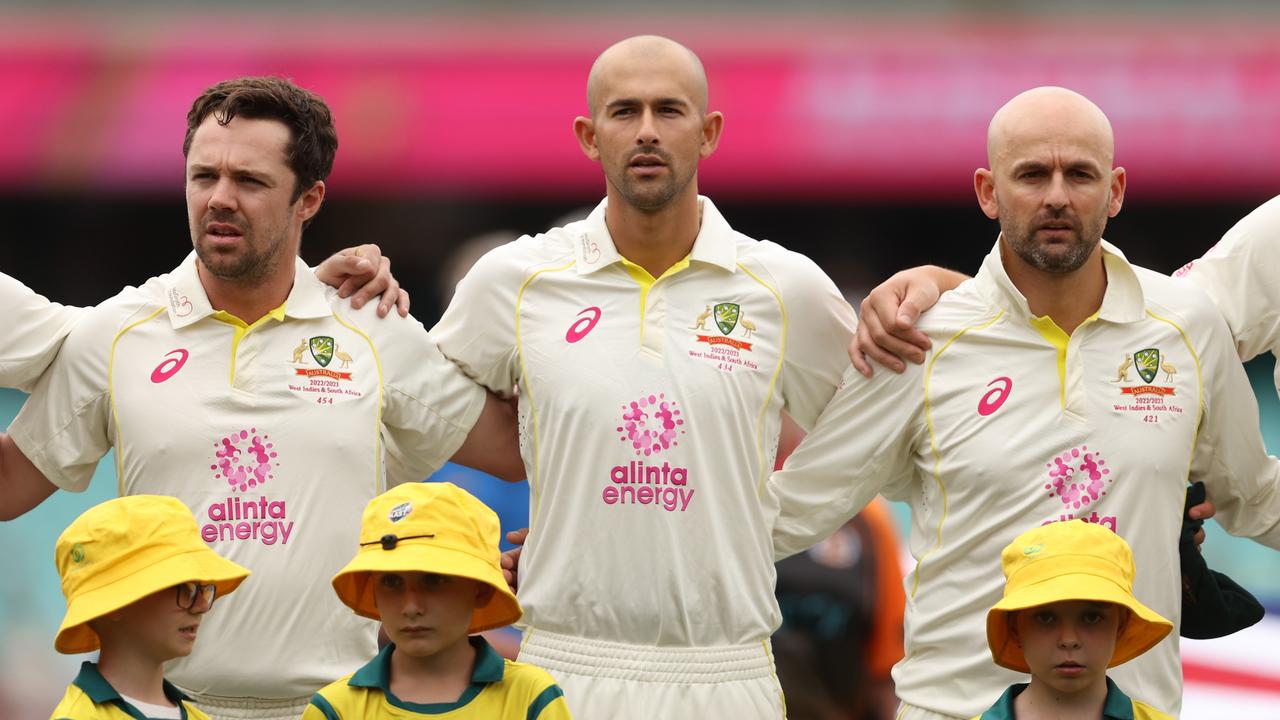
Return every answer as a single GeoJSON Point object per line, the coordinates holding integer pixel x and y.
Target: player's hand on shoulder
{"type": "Point", "coordinates": [887, 318]}
{"type": "Point", "coordinates": [363, 273]}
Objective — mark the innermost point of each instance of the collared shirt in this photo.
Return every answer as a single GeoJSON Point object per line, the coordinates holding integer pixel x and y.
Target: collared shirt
{"type": "Point", "coordinates": [499, 690]}
{"type": "Point", "coordinates": [272, 433]}
{"type": "Point", "coordinates": [1240, 273]}
{"type": "Point", "coordinates": [1117, 706]}
{"type": "Point", "coordinates": [91, 697]}
{"type": "Point", "coordinates": [650, 410]}
{"type": "Point", "coordinates": [1010, 424]}
{"type": "Point", "coordinates": [32, 332]}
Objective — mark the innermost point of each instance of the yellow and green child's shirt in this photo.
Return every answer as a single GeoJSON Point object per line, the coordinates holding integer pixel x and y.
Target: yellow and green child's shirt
{"type": "Point", "coordinates": [500, 690]}
{"type": "Point", "coordinates": [91, 697]}
{"type": "Point", "coordinates": [1118, 706]}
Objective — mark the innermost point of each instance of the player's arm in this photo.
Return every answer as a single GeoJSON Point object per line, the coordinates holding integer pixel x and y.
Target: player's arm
{"type": "Point", "coordinates": [1242, 481]}
{"type": "Point", "coordinates": [363, 273]}
{"type": "Point", "coordinates": [31, 334]}
{"type": "Point", "coordinates": [22, 485]}
{"type": "Point", "coordinates": [493, 445]}
{"type": "Point", "coordinates": [862, 444]}
{"type": "Point", "coordinates": [1239, 273]}
{"type": "Point", "coordinates": [886, 323]}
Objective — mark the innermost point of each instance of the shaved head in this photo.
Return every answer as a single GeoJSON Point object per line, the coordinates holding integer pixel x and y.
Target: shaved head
{"type": "Point", "coordinates": [1052, 181]}
{"type": "Point", "coordinates": [647, 53]}
{"type": "Point", "coordinates": [1046, 112]}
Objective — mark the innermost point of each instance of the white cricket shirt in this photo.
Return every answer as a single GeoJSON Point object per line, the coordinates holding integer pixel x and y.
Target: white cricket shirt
{"type": "Point", "coordinates": [271, 434]}
{"type": "Point", "coordinates": [650, 411]}
{"type": "Point", "coordinates": [32, 332]}
{"type": "Point", "coordinates": [1242, 275]}
{"type": "Point", "coordinates": [1010, 424]}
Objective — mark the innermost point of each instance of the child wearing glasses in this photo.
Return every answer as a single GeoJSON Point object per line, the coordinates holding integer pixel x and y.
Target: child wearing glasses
{"type": "Point", "coordinates": [1068, 614]}
{"type": "Point", "coordinates": [428, 568]}
{"type": "Point", "coordinates": [138, 579]}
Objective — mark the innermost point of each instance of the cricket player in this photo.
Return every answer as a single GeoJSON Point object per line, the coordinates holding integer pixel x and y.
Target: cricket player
{"type": "Point", "coordinates": [1062, 383]}
{"type": "Point", "coordinates": [655, 349]}
{"type": "Point", "coordinates": [244, 387]}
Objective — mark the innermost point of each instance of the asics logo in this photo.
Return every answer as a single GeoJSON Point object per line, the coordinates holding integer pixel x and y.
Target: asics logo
{"type": "Point", "coordinates": [169, 367]}
{"type": "Point", "coordinates": [586, 321]}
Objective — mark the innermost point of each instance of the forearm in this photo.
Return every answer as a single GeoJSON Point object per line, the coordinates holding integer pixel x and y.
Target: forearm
{"type": "Point", "coordinates": [22, 485]}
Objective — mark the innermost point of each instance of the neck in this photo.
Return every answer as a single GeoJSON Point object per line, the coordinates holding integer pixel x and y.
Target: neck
{"type": "Point", "coordinates": [438, 678]}
{"type": "Point", "coordinates": [1041, 702]}
{"type": "Point", "coordinates": [249, 302]}
{"type": "Point", "coordinates": [131, 672]}
{"type": "Point", "coordinates": [654, 239]}
{"type": "Point", "coordinates": [1066, 298]}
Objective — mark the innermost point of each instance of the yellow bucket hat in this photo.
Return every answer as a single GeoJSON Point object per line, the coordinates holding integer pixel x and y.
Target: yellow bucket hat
{"type": "Point", "coordinates": [1071, 560]}
{"type": "Point", "coordinates": [432, 527]}
{"type": "Point", "coordinates": [125, 549]}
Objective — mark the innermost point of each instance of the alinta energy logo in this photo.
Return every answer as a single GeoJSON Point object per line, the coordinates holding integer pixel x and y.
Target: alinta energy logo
{"type": "Point", "coordinates": [245, 460]}
{"type": "Point", "coordinates": [650, 426]}
{"type": "Point", "coordinates": [1079, 477]}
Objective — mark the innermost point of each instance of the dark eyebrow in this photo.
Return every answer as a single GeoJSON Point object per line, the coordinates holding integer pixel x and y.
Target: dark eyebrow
{"type": "Point", "coordinates": [632, 102]}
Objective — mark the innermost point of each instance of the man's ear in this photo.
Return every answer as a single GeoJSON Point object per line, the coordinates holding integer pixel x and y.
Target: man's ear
{"type": "Point", "coordinates": [985, 187]}
{"type": "Point", "coordinates": [1117, 191]}
{"type": "Point", "coordinates": [712, 126]}
{"type": "Point", "coordinates": [310, 201]}
{"type": "Point", "coordinates": [584, 129]}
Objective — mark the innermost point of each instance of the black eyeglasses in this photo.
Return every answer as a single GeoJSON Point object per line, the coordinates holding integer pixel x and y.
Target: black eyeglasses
{"type": "Point", "coordinates": [188, 592]}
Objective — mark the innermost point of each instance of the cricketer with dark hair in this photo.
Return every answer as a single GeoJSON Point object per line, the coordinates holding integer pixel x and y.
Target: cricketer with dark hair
{"type": "Point", "coordinates": [244, 387]}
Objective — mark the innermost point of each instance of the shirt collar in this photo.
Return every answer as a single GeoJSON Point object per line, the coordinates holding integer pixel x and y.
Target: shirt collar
{"type": "Point", "coordinates": [1122, 302]}
{"type": "Point", "coordinates": [187, 301]}
{"type": "Point", "coordinates": [715, 244]}
{"type": "Point", "coordinates": [376, 673]}
{"type": "Point", "coordinates": [1117, 706]}
{"type": "Point", "coordinates": [96, 687]}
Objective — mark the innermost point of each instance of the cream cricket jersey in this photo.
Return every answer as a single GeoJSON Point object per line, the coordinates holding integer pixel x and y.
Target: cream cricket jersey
{"type": "Point", "coordinates": [32, 332]}
{"type": "Point", "coordinates": [272, 434]}
{"type": "Point", "coordinates": [649, 412]}
{"type": "Point", "coordinates": [1242, 275]}
{"type": "Point", "coordinates": [1009, 424]}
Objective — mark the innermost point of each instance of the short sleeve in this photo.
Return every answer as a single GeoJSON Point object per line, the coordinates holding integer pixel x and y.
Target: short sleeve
{"type": "Point", "coordinates": [32, 333]}
{"type": "Point", "coordinates": [429, 406]}
{"type": "Point", "coordinates": [478, 329]}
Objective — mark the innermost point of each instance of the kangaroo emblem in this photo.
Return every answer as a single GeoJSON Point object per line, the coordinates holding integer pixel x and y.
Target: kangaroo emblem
{"type": "Point", "coordinates": [1122, 375]}
{"type": "Point", "coordinates": [701, 322]}
{"type": "Point", "coordinates": [297, 352]}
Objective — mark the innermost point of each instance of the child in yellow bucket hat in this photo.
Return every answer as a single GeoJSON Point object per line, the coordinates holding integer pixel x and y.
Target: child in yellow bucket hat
{"type": "Point", "coordinates": [1068, 614]}
{"type": "Point", "coordinates": [428, 568]}
{"type": "Point", "coordinates": [138, 579]}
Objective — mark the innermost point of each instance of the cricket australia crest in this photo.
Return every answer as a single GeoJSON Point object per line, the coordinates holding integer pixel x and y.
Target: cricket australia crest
{"type": "Point", "coordinates": [322, 349]}
{"type": "Point", "coordinates": [727, 316]}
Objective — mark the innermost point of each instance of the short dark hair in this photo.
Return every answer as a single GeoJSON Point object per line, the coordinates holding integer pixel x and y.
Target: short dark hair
{"type": "Point", "coordinates": [313, 140]}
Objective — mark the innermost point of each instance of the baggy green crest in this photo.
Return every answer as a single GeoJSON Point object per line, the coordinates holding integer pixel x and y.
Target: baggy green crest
{"type": "Point", "coordinates": [322, 349]}
{"type": "Point", "coordinates": [727, 317]}
{"type": "Point", "coordinates": [1147, 363]}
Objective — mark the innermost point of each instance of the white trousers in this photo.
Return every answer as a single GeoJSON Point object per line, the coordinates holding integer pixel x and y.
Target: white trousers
{"type": "Point", "coordinates": [616, 681]}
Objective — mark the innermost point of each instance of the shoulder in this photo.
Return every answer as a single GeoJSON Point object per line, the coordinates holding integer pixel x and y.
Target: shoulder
{"type": "Point", "coordinates": [99, 326]}
{"type": "Point", "coordinates": [75, 705]}
{"type": "Point", "coordinates": [962, 309]}
{"type": "Point", "coordinates": [786, 266]}
{"type": "Point", "coordinates": [1179, 302]}
{"type": "Point", "coordinates": [530, 681]}
{"type": "Point", "coordinates": [1143, 711]}
{"type": "Point", "coordinates": [330, 700]}
{"type": "Point", "coordinates": [528, 254]}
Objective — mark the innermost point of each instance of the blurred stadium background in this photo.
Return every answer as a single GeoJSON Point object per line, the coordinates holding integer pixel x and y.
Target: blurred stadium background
{"type": "Point", "coordinates": [852, 131]}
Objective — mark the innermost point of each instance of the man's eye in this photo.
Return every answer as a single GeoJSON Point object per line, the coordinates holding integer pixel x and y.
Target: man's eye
{"type": "Point", "coordinates": [392, 582]}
